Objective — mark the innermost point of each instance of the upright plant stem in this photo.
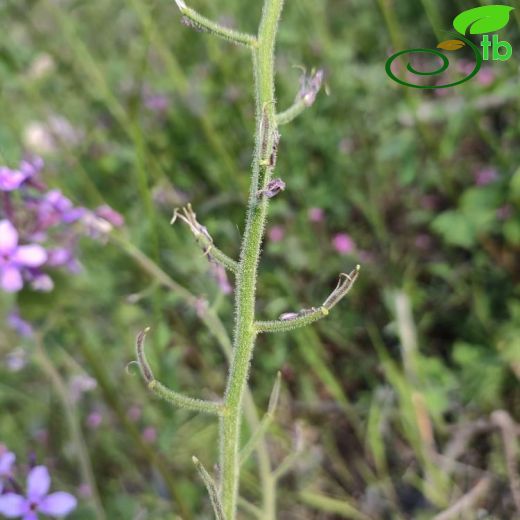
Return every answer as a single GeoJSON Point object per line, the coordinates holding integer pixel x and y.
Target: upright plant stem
{"type": "Point", "coordinates": [81, 451]}
{"type": "Point", "coordinates": [245, 333]}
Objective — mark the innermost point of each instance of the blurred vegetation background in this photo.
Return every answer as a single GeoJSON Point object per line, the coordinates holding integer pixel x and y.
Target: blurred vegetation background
{"type": "Point", "coordinates": [405, 398]}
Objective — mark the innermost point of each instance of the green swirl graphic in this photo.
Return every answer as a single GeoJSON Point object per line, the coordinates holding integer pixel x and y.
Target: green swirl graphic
{"type": "Point", "coordinates": [439, 70]}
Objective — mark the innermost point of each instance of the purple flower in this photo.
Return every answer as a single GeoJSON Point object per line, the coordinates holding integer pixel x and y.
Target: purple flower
{"type": "Point", "coordinates": [485, 176]}
{"type": "Point", "coordinates": [276, 233]}
{"type": "Point", "coordinates": [40, 281]}
{"type": "Point", "coordinates": [316, 215]}
{"type": "Point", "coordinates": [486, 76]}
{"type": "Point", "coordinates": [158, 103]}
{"type": "Point", "coordinates": [94, 420]}
{"type": "Point", "coordinates": [149, 434]}
{"type": "Point", "coordinates": [31, 166]}
{"type": "Point", "coordinates": [16, 361]}
{"type": "Point", "coordinates": [343, 243]}
{"type": "Point", "coordinates": [63, 257]}
{"type": "Point", "coordinates": [54, 208]}
{"type": "Point", "coordinates": [220, 275]}
{"type": "Point", "coordinates": [38, 500]}
{"type": "Point", "coordinates": [19, 325]}
{"type": "Point", "coordinates": [134, 413]}
{"type": "Point", "coordinates": [7, 459]}
{"type": "Point", "coordinates": [15, 258]}
{"type": "Point", "coordinates": [110, 215]}
{"type": "Point", "coordinates": [11, 179]}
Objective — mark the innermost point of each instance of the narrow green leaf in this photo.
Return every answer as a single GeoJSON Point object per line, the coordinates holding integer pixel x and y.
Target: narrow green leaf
{"type": "Point", "coordinates": [481, 20]}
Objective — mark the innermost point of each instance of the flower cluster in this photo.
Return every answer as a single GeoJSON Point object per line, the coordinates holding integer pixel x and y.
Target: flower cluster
{"type": "Point", "coordinates": [37, 499]}
{"type": "Point", "coordinates": [40, 228]}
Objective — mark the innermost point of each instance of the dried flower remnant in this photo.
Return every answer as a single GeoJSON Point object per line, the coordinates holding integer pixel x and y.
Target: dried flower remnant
{"type": "Point", "coordinates": [274, 187]}
{"type": "Point", "coordinates": [37, 500]}
{"type": "Point", "coordinates": [310, 85]}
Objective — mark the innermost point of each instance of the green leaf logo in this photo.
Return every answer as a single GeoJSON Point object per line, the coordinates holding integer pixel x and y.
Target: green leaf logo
{"type": "Point", "coordinates": [481, 20]}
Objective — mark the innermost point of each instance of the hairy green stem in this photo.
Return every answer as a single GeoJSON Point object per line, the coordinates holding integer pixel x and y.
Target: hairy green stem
{"type": "Point", "coordinates": [216, 327]}
{"type": "Point", "coordinates": [245, 333]}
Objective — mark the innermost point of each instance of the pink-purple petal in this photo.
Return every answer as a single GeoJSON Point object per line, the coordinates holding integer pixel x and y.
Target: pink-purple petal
{"type": "Point", "coordinates": [38, 483]}
{"type": "Point", "coordinates": [30, 256]}
{"type": "Point", "coordinates": [12, 505]}
{"type": "Point", "coordinates": [11, 279]}
{"type": "Point", "coordinates": [30, 515]}
{"type": "Point", "coordinates": [6, 463]}
{"type": "Point", "coordinates": [11, 179]}
{"type": "Point", "coordinates": [57, 504]}
{"type": "Point", "coordinates": [8, 237]}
